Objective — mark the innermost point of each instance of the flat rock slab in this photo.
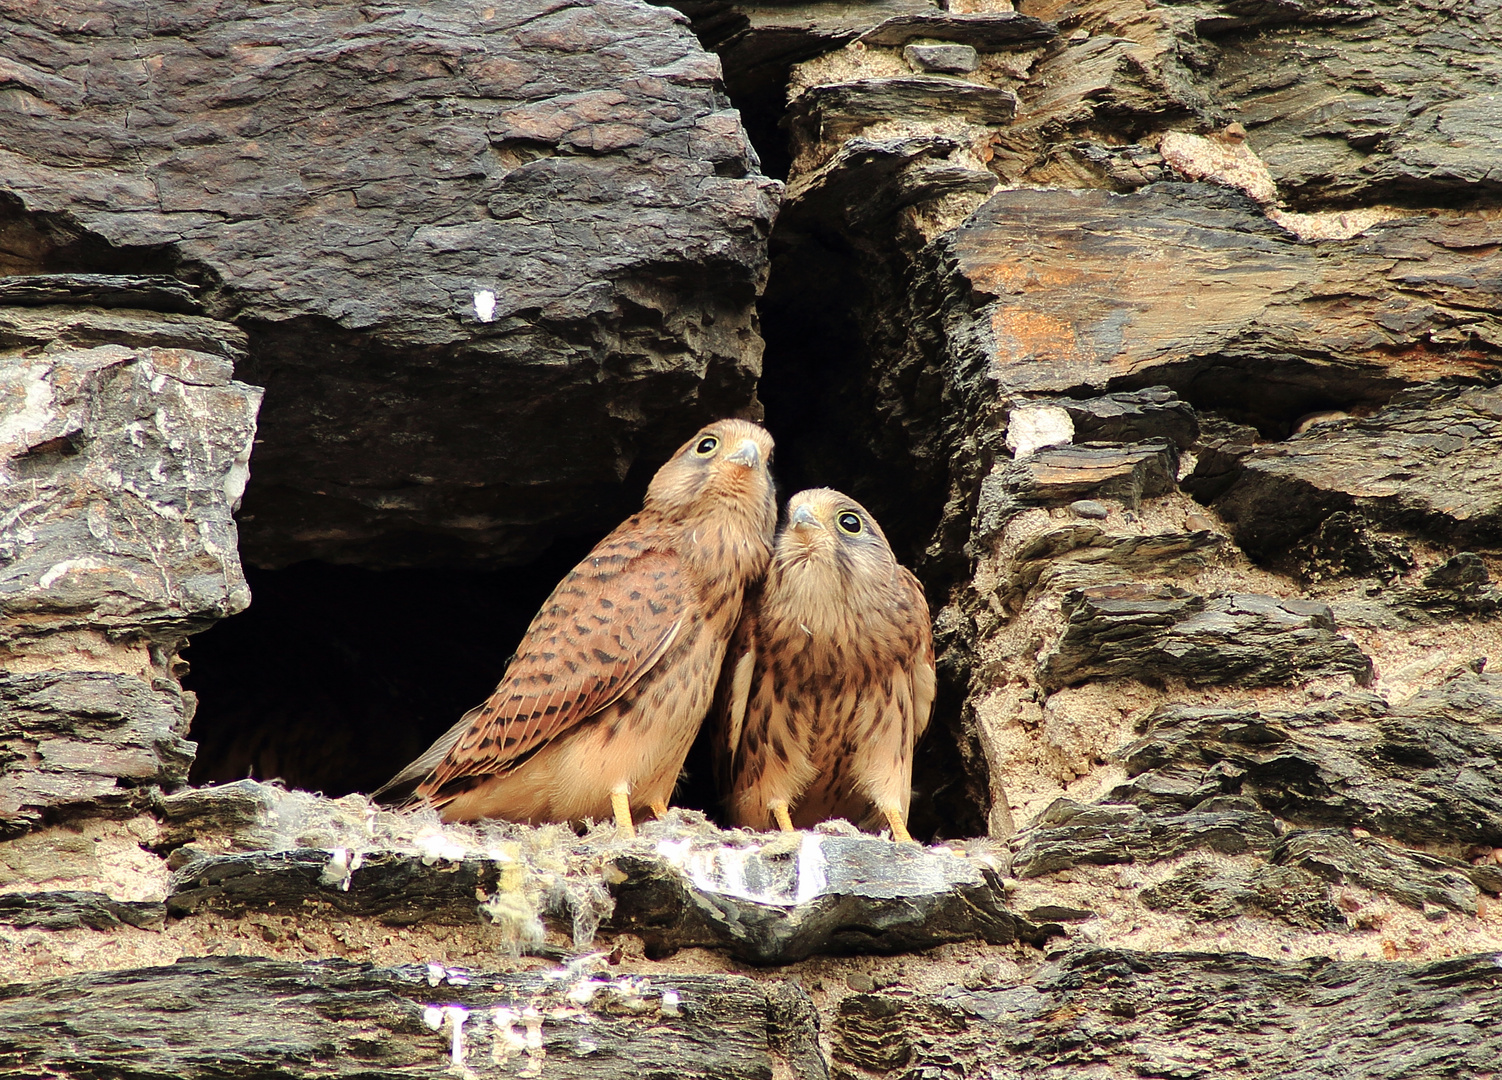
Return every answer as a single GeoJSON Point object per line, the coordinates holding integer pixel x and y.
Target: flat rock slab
{"type": "Point", "coordinates": [1068, 834]}
{"type": "Point", "coordinates": [1059, 475]}
{"type": "Point", "coordinates": [834, 111]}
{"type": "Point", "coordinates": [787, 899]}
{"type": "Point", "coordinates": [1190, 285]}
{"type": "Point", "coordinates": [1423, 773]}
{"type": "Point", "coordinates": [1155, 631]}
{"type": "Point", "coordinates": [70, 909]}
{"type": "Point", "coordinates": [87, 741]}
{"type": "Point", "coordinates": [991, 32]}
{"type": "Point", "coordinates": [227, 1017]}
{"type": "Point", "coordinates": [154, 292]}
{"type": "Point", "coordinates": [773, 902]}
{"type": "Point", "coordinates": [453, 233]}
{"type": "Point", "coordinates": [1430, 463]}
{"type": "Point", "coordinates": [1122, 1013]}
{"type": "Point", "coordinates": [397, 889]}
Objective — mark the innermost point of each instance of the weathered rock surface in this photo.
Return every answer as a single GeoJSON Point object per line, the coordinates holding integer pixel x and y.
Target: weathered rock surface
{"type": "Point", "coordinates": [765, 899]}
{"type": "Point", "coordinates": [85, 741]}
{"type": "Point", "coordinates": [225, 1017]}
{"type": "Point", "coordinates": [1425, 464]}
{"type": "Point", "coordinates": [1425, 772]}
{"type": "Point", "coordinates": [123, 446]}
{"type": "Point", "coordinates": [1143, 1014]}
{"type": "Point", "coordinates": [453, 236]}
{"type": "Point", "coordinates": [1151, 632]}
{"type": "Point", "coordinates": [821, 894]}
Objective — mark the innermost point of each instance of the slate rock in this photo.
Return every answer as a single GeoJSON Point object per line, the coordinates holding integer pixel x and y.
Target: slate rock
{"type": "Point", "coordinates": [766, 900]}
{"type": "Point", "coordinates": [458, 238]}
{"type": "Point", "coordinates": [985, 32]}
{"type": "Point", "coordinates": [394, 888]}
{"type": "Point", "coordinates": [1069, 834]}
{"type": "Point", "coordinates": [1130, 416]}
{"type": "Point", "coordinates": [151, 292]}
{"type": "Point", "coordinates": [247, 1017]}
{"type": "Point", "coordinates": [869, 180]}
{"type": "Point", "coordinates": [82, 742]}
{"type": "Point", "coordinates": [1147, 631]}
{"type": "Point", "coordinates": [1129, 1013]}
{"type": "Point", "coordinates": [941, 59]}
{"type": "Point", "coordinates": [1286, 893]}
{"type": "Point", "coordinates": [1423, 773]}
{"type": "Point", "coordinates": [73, 909]}
{"type": "Point", "coordinates": [1414, 878]}
{"type": "Point", "coordinates": [1032, 281]}
{"type": "Point", "coordinates": [1059, 475]}
{"type": "Point", "coordinates": [832, 112]}
{"type": "Point", "coordinates": [123, 455]}
{"type": "Point", "coordinates": [777, 903]}
{"type": "Point", "coordinates": [1425, 464]}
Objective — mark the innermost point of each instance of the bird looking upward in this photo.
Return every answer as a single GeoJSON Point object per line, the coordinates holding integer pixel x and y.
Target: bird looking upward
{"type": "Point", "coordinates": [597, 711]}
{"type": "Point", "coordinates": [829, 680]}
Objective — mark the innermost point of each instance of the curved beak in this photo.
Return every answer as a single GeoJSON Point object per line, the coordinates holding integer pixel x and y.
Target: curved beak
{"type": "Point", "coordinates": [746, 454]}
{"type": "Point", "coordinates": [803, 518]}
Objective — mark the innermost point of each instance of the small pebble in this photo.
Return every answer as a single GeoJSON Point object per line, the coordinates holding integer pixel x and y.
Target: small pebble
{"type": "Point", "coordinates": [1199, 523]}
{"type": "Point", "coordinates": [860, 982]}
{"type": "Point", "coordinates": [1089, 508]}
{"type": "Point", "coordinates": [1435, 913]}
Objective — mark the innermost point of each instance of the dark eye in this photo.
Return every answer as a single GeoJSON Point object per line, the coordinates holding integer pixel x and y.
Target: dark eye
{"type": "Point", "coordinates": [850, 523]}
{"type": "Point", "coordinates": [706, 446]}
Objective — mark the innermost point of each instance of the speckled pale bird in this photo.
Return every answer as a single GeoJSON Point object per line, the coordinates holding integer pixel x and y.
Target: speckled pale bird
{"type": "Point", "coordinates": [614, 677]}
{"type": "Point", "coordinates": [829, 679]}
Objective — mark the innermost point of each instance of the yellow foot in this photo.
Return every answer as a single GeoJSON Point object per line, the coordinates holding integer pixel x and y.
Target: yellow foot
{"type": "Point", "coordinates": [780, 812]}
{"type": "Point", "coordinates": [659, 809]}
{"type": "Point", "coordinates": [900, 835]}
{"type": "Point", "coordinates": [621, 804]}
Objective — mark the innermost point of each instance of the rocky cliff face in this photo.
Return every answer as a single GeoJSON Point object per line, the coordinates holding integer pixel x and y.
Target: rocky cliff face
{"type": "Point", "coordinates": [1161, 337]}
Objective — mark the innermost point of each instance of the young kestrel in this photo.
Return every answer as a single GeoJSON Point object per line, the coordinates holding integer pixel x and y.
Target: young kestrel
{"type": "Point", "coordinates": [597, 711]}
{"type": "Point", "coordinates": [830, 677]}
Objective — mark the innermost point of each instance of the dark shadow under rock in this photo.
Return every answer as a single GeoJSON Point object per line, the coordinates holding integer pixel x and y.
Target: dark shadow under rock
{"type": "Point", "coordinates": [233, 1017]}
{"type": "Point", "coordinates": [1110, 1012]}
{"type": "Point", "coordinates": [1425, 772]}
{"type": "Point", "coordinates": [1150, 632]}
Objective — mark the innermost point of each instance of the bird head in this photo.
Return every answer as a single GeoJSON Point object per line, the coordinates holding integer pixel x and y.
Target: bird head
{"type": "Point", "coordinates": [830, 533]}
{"type": "Point", "coordinates": [725, 465]}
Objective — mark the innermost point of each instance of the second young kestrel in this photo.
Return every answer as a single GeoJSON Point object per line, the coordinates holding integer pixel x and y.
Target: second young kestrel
{"type": "Point", "coordinates": [829, 680]}
{"type": "Point", "coordinates": [608, 688]}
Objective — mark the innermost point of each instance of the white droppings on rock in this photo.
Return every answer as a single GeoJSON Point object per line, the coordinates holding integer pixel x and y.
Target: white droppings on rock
{"type": "Point", "coordinates": [1033, 427]}
{"type": "Point", "coordinates": [485, 305]}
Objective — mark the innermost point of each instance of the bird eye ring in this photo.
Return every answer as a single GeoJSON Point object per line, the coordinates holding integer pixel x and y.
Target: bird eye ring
{"type": "Point", "coordinates": [706, 446]}
{"type": "Point", "coordinates": [850, 523]}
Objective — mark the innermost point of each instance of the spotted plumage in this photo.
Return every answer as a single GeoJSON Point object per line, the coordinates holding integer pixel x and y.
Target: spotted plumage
{"type": "Point", "coordinates": [829, 680]}
{"type": "Point", "coordinates": [612, 680]}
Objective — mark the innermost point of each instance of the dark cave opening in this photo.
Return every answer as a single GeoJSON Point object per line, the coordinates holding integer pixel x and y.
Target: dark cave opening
{"type": "Point", "coordinates": [337, 676]}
